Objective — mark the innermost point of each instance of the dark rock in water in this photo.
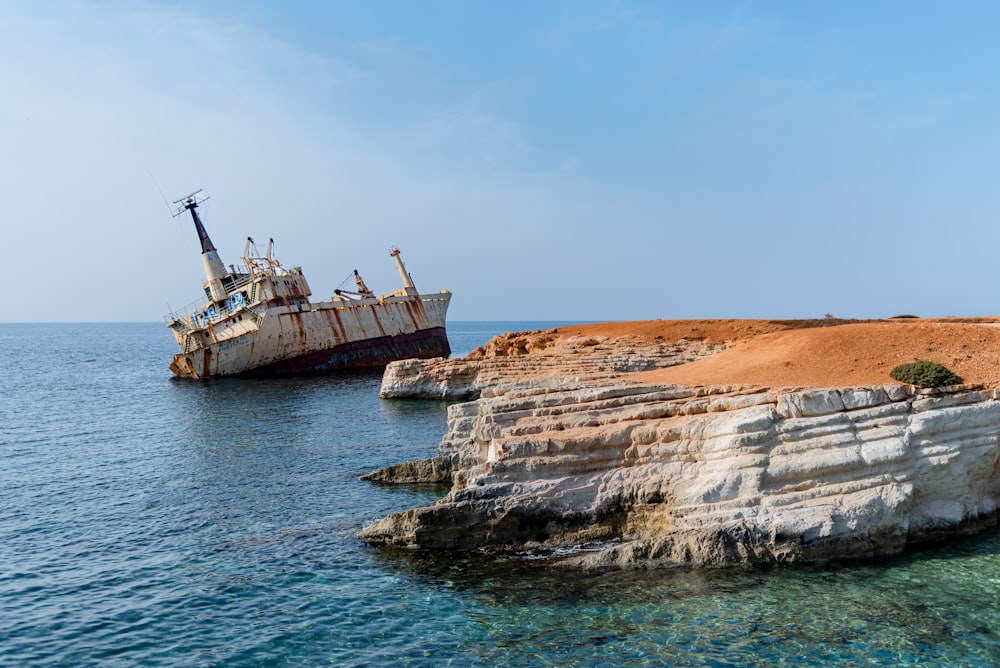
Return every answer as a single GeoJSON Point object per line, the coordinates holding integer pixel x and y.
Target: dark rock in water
{"type": "Point", "coordinates": [435, 470]}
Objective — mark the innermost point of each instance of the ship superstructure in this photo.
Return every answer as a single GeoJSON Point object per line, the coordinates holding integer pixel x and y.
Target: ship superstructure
{"type": "Point", "coordinates": [258, 320]}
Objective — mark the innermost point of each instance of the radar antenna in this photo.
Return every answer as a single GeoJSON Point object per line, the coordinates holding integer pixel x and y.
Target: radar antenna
{"type": "Point", "coordinates": [189, 201]}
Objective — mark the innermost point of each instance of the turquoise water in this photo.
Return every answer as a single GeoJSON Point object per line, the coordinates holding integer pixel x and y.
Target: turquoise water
{"type": "Point", "coordinates": [145, 521]}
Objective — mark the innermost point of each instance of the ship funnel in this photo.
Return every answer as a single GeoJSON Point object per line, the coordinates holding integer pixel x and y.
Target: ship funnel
{"type": "Point", "coordinates": [214, 269]}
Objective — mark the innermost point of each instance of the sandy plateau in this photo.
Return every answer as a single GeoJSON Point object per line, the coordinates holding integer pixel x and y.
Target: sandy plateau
{"type": "Point", "coordinates": [817, 353]}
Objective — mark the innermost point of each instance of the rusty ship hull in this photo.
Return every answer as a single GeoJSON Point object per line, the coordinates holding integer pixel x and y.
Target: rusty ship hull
{"type": "Point", "coordinates": [367, 354]}
{"type": "Point", "coordinates": [326, 338]}
{"type": "Point", "coordinates": [259, 321]}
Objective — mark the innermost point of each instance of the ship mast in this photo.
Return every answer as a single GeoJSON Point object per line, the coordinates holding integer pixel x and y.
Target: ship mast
{"type": "Point", "coordinates": [214, 269]}
{"type": "Point", "coordinates": [405, 275]}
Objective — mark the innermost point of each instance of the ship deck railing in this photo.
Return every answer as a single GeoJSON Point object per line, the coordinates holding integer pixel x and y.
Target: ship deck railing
{"type": "Point", "coordinates": [242, 282]}
{"type": "Point", "coordinates": [198, 305]}
{"type": "Point", "coordinates": [186, 314]}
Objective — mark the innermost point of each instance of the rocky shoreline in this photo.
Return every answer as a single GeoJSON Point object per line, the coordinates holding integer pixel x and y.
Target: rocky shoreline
{"type": "Point", "coordinates": [627, 472]}
{"type": "Point", "coordinates": [511, 359]}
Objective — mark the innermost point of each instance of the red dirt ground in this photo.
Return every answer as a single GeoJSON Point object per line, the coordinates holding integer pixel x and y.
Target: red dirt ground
{"type": "Point", "coordinates": [817, 353]}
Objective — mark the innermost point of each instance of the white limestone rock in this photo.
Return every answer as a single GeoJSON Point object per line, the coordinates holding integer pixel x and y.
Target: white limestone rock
{"type": "Point", "coordinates": [682, 476]}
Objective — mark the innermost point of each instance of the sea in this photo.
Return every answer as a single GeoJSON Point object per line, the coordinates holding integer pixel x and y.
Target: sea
{"type": "Point", "coordinates": [147, 521]}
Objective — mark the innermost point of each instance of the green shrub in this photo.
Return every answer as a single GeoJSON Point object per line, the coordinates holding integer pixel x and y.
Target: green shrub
{"type": "Point", "coordinates": [925, 374]}
{"type": "Point", "coordinates": [905, 315]}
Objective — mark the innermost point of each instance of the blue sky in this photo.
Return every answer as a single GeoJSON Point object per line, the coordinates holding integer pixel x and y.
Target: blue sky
{"type": "Point", "coordinates": [542, 160]}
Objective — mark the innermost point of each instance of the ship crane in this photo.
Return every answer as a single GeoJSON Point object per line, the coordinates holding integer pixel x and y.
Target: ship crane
{"type": "Point", "coordinates": [362, 292]}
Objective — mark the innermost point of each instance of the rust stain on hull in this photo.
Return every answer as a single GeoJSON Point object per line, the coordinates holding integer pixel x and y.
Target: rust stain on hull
{"type": "Point", "coordinates": [368, 354]}
{"type": "Point", "coordinates": [324, 339]}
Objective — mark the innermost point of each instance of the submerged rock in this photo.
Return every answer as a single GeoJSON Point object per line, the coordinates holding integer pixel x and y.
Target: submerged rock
{"type": "Point", "coordinates": [672, 475]}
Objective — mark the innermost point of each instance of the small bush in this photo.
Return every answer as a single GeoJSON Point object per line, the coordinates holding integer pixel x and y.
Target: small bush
{"type": "Point", "coordinates": [905, 315]}
{"type": "Point", "coordinates": [924, 374]}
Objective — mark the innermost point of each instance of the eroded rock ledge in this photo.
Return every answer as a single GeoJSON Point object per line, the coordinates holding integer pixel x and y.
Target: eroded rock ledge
{"type": "Point", "coordinates": [671, 475]}
{"type": "Point", "coordinates": [510, 359]}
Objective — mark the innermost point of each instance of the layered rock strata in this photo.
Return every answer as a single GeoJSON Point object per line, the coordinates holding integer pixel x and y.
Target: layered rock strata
{"type": "Point", "coordinates": [513, 358]}
{"type": "Point", "coordinates": [670, 475]}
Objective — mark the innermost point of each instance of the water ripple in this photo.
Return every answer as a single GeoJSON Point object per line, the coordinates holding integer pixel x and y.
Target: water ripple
{"type": "Point", "coordinates": [151, 522]}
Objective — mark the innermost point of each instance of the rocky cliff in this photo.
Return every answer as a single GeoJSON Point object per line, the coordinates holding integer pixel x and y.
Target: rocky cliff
{"type": "Point", "coordinates": [629, 473]}
{"type": "Point", "coordinates": [513, 358]}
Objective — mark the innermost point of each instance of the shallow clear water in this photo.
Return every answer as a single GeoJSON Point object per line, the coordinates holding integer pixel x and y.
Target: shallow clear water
{"type": "Point", "coordinates": [146, 521]}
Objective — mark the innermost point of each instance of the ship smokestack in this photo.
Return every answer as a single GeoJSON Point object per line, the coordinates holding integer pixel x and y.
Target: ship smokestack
{"type": "Point", "coordinates": [206, 242]}
{"type": "Point", "coordinates": [214, 269]}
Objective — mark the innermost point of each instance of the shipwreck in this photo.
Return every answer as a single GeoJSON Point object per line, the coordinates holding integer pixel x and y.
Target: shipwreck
{"type": "Point", "coordinates": [258, 320]}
